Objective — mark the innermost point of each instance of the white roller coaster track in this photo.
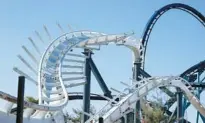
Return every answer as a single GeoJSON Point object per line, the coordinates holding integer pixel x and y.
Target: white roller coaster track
{"type": "Point", "coordinates": [118, 110]}
{"type": "Point", "coordinates": [52, 77]}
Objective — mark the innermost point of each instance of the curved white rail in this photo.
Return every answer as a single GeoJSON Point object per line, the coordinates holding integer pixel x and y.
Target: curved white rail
{"type": "Point", "coordinates": [50, 75]}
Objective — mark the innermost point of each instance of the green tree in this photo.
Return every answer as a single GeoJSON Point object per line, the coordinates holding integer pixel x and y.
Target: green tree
{"type": "Point", "coordinates": [153, 112]}
{"type": "Point", "coordinates": [77, 114]}
{"type": "Point", "coordinates": [31, 99]}
{"type": "Point", "coordinates": [156, 115]}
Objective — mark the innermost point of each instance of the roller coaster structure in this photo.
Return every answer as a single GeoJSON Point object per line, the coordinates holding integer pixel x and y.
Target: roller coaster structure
{"type": "Point", "coordinates": [67, 62]}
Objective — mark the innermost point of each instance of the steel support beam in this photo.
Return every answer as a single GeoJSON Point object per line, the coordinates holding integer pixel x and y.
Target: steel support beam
{"type": "Point", "coordinates": [198, 95]}
{"type": "Point", "coordinates": [86, 96]}
{"type": "Point", "coordinates": [125, 119]}
{"type": "Point", "coordinates": [122, 119]}
{"type": "Point", "coordinates": [180, 118]}
{"type": "Point", "coordinates": [130, 117]}
{"type": "Point", "coordinates": [136, 77]}
{"type": "Point", "coordinates": [99, 78]}
{"type": "Point", "coordinates": [101, 120]}
{"type": "Point", "coordinates": [20, 99]}
{"type": "Point", "coordinates": [143, 73]}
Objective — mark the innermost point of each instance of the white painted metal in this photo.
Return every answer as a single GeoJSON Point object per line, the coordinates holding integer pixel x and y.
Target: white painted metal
{"type": "Point", "coordinates": [34, 45]}
{"type": "Point", "coordinates": [39, 36]}
{"type": "Point", "coordinates": [70, 66]}
{"type": "Point", "coordinates": [88, 47]}
{"type": "Point", "coordinates": [54, 84]}
{"type": "Point", "coordinates": [109, 99]}
{"type": "Point", "coordinates": [39, 115]}
{"type": "Point", "coordinates": [7, 107]}
{"type": "Point", "coordinates": [51, 99]}
{"type": "Point", "coordinates": [52, 69]}
{"type": "Point", "coordinates": [5, 118]}
{"type": "Point", "coordinates": [76, 55]}
{"type": "Point", "coordinates": [28, 112]}
{"type": "Point", "coordinates": [125, 84]}
{"type": "Point", "coordinates": [73, 78]}
{"type": "Point", "coordinates": [73, 60]}
{"type": "Point", "coordinates": [60, 27]}
{"type": "Point", "coordinates": [24, 74]}
{"type": "Point", "coordinates": [47, 67]}
{"type": "Point", "coordinates": [74, 84]}
{"type": "Point", "coordinates": [30, 54]}
{"type": "Point", "coordinates": [90, 115]}
{"type": "Point", "coordinates": [58, 117]}
{"type": "Point", "coordinates": [71, 73]}
{"type": "Point", "coordinates": [42, 107]}
{"type": "Point", "coordinates": [53, 91]}
{"type": "Point", "coordinates": [103, 40]}
{"type": "Point", "coordinates": [116, 112]}
{"type": "Point", "coordinates": [47, 32]}
{"type": "Point", "coordinates": [27, 64]}
{"type": "Point", "coordinates": [55, 70]}
{"type": "Point", "coordinates": [117, 91]}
